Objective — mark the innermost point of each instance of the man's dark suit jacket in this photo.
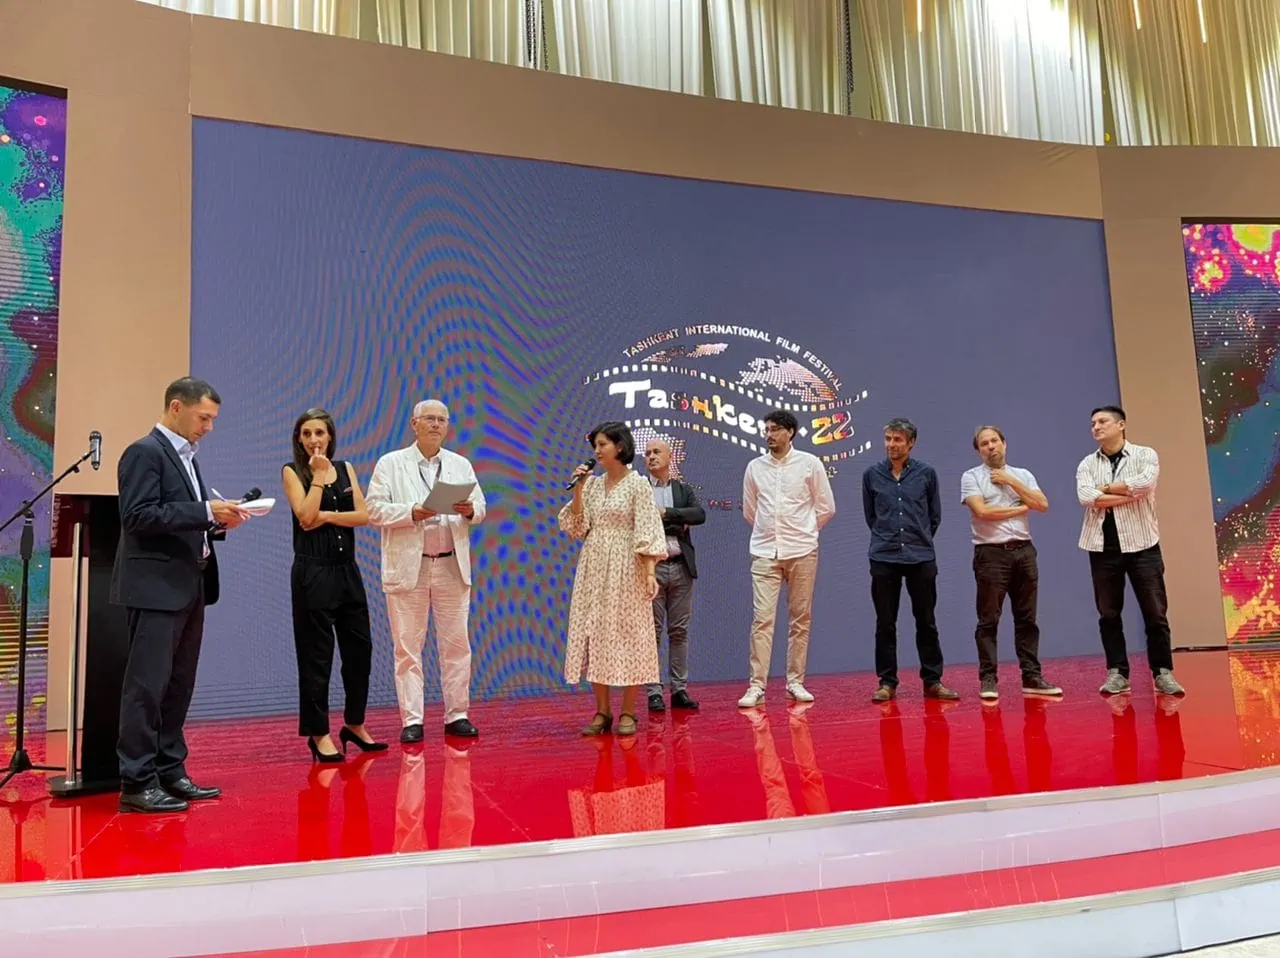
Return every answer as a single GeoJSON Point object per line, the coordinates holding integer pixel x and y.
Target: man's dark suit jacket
{"type": "Point", "coordinates": [688, 511]}
{"type": "Point", "coordinates": [163, 524]}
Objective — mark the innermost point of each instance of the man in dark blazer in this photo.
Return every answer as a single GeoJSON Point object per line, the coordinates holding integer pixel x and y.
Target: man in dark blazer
{"type": "Point", "coordinates": [680, 509]}
{"type": "Point", "coordinates": [165, 574]}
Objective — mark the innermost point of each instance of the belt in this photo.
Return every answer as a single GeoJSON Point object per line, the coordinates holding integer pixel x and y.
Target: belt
{"type": "Point", "coordinates": [1011, 544]}
{"type": "Point", "coordinates": [675, 558]}
{"type": "Point", "coordinates": [442, 555]}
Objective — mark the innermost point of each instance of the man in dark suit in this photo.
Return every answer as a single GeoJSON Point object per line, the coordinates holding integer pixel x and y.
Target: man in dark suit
{"type": "Point", "coordinates": [680, 509]}
{"type": "Point", "coordinates": [165, 574]}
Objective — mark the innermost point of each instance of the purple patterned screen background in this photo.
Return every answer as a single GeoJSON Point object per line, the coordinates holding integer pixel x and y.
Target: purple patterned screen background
{"type": "Point", "coordinates": [33, 132]}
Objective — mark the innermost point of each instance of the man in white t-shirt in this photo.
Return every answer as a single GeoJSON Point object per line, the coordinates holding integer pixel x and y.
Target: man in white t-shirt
{"type": "Point", "coordinates": [999, 497]}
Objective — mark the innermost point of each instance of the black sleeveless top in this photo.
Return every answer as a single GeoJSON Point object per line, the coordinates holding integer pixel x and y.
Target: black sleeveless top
{"type": "Point", "coordinates": [329, 544]}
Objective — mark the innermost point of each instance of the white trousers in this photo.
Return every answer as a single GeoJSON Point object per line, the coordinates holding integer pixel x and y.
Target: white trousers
{"type": "Point", "coordinates": [440, 590]}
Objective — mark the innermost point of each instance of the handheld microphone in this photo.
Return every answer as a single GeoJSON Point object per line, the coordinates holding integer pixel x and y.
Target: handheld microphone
{"type": "Point", "coordinates": [590, 464]}
{"type": "Point", "coordinates": [95, 449]}
{"type": "Point", "coordinates": [254, 493]}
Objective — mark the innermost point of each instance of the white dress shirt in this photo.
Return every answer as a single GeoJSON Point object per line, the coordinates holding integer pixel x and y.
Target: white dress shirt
{"type": "Point", "coordinates": [786, 501]}
{"type": "Point", "coordinates": [977, 482]}
{"type": "Point", "coordinates": [1136, 522]}
{"type": "Point", "coordinates": [186, 451]}
{"type": "Point", "coordinates": [437, 539]}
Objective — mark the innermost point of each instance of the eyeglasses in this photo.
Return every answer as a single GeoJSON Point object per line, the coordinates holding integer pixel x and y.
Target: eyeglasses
{"type": "Point", "coordinates": [440, 419]}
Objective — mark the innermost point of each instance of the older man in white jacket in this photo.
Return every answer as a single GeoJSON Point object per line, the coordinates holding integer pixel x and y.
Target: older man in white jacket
{"type": "Point", "coordinates": [426, 567]}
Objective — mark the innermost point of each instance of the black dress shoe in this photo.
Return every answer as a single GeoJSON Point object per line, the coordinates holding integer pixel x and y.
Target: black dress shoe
{"type": "Point", "coordinates": [656, 704]}
{"type": "Point", "coordinates": [411, 734]}
{"type": "Point", "coordinates": [461, 728]}
{"type": "Point", "coordinates": [189, 791]}
{"type": "Point", "coordinates": [154, 800]}
{"type": "Point", "coordinates": [681, 700]}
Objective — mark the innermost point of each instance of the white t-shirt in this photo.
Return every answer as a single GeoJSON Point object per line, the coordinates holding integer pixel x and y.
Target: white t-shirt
{"type": "Point", "coordinates": [977, 482]}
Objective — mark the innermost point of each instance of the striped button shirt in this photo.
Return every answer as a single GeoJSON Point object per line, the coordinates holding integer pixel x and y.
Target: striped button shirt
{"type": "Point", "coordinates": [1136, 523]}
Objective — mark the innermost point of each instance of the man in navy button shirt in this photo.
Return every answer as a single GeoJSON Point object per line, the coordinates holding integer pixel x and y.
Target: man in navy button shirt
{"type": "Point", "coordinates": [903, 507]}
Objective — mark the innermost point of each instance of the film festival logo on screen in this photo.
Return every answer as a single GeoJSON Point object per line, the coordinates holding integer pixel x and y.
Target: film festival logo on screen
{"type": "Point", "coordinates": [672, 390]}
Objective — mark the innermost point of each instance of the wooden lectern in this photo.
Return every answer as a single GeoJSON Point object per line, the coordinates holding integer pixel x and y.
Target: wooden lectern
{"type": "Point", "coordinates": [86, 529]}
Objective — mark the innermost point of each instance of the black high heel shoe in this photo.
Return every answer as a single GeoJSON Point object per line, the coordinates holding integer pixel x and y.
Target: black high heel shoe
{"type": "Point", "coordinates": [322, 757]}
{"type": "Point", "coordinates": [346, 735]}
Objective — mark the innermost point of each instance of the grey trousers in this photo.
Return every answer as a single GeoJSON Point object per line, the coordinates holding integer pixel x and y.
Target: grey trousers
{"type": "Point", "coordinates": [674, 606]}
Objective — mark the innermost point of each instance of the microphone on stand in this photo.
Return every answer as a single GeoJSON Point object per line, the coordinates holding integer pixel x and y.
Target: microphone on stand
{"type": "Point", "coordinates": [590, 464]}
{"type": "Point", "coordinates": [95, 449]}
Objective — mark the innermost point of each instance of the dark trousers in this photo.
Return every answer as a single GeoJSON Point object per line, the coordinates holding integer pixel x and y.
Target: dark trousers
{"type": "Point", "coordinates": [886, 592]}
{"type": "Point", "coordinates": [159, 679]}
{"type": "Point", "coordinates": [314, 634]}
{"type": "Point", "coordinates": [999, 570]}
{"type": "Point", "coordinates": [1145, 571]}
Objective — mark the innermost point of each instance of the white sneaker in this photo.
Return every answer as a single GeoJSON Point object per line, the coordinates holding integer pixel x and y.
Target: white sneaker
{"type": "Point", "coordinates": [754, 696]}
{"type": "Point", "coordinates": [798, 692]}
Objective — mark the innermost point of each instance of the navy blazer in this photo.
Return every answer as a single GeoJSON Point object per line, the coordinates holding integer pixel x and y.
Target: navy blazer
{"type": "Point", "coordinates": [688, 511]}
{"type": "Point", "coordinates": [163, 522]}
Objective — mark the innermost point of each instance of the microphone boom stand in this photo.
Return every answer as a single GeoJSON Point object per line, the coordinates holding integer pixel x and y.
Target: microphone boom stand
{"type": "Point", "coordinates": [21, 761]}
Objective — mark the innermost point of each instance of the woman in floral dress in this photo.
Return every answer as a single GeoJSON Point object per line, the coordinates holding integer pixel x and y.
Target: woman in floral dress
{"type": "Point", "coordinates": [611, 638]}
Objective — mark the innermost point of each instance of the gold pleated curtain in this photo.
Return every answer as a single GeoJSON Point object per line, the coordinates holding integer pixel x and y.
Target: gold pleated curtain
{"type": "Point", "coordinates": [1129, 72]}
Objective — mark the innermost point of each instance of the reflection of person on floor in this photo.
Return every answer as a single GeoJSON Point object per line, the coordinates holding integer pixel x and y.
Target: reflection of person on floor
{"type": "Point", "coordinates": [777, 798]}
{"type": "Point", "coordinates": [1035, 742]}
{"type": "Point", "coordinates": [457, 801]}
{"type": "Point", "coordinates": [937, 752]}
{"type": "Point", "coordinates": [684, 812]}
{"type": "Point", "coordinates": [607, 807]}
{"type": "Point", "coordinates": [356, 838]}
{"type": "Point", "coordinates": [1170, 749]}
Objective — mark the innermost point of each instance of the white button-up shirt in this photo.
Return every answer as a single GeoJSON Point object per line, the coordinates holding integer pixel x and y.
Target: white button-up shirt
{"type": "Point", "coordinates": [786, 501]}
{"type": "Point", "coordinates": [1136, 522]}
{"type": "Point", "coordinates": [186, 451]}
{"type": "Point", "coordinates": [977, 482]}
{"type": "Point", "coordinates": [437, 538]}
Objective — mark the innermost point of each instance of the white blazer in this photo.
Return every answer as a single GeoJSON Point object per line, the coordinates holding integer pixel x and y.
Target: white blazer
{"type": "Point", "coordinates": [396, 487]}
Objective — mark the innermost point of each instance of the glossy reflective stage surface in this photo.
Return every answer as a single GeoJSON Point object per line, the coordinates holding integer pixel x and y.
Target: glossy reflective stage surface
{"type": "Point", "coordinates": [532, 777]}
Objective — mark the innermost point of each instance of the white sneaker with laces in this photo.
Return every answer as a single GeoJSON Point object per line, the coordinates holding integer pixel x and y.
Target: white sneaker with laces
{"type": "Point", "coordinates": [754, 696]}
{"type": "Point", "coordinates": [798, 692]}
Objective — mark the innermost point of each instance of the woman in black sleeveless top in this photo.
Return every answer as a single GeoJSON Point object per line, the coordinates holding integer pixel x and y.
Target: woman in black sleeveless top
{"type": "Point", "coordinates": [327, 589]}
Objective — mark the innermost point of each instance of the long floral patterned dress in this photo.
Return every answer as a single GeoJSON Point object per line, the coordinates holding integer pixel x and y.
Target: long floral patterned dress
{"type": "Point", "coordinates": [611, 638]}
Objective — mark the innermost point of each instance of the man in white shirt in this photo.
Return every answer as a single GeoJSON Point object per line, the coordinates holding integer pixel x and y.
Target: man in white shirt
{"type": "Point", "coordinates": [1116, 484]}
{"type": "Point", "coordinates": [999, 496]}
{"type": "Point", "coordinates": [787, 498]}
{"type": "Point", "coordinates": [426, 567]}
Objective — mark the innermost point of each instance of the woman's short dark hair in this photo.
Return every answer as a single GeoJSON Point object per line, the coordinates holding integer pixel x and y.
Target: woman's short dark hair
{"type": "Point", "coordinates": [783, 420]}
{"type": "Point", "coordinates": [618, 434]}
{"type": "Point", "coordinates": [302, 458]}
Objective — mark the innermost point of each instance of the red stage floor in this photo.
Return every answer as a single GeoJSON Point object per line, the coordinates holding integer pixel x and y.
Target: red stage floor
{"type": "Point", "coordinates": [531, 777]}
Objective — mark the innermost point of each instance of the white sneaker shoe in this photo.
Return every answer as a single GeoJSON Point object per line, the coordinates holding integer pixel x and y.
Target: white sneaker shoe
{"type": "Point", "coordinates": [798, 692]}
{"type": "Point", "coordinates": [754, 696]}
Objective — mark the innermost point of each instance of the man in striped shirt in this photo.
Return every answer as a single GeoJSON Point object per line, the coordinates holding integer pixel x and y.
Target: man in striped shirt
{"type": "Point", "coordinates": [1116, 484]}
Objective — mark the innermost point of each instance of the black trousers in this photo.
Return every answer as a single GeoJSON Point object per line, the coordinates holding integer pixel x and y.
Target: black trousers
{"type": "Point", "coordinates": [315, 631]}
{"type": "Point", "coordinates": [1145, 571]}
{"type": "Point", "coordinates": [921, 579]}
{"type": "Point", "coordinates": [159, 679]}
{"type": "Point", "coordinates": [1008, 569]}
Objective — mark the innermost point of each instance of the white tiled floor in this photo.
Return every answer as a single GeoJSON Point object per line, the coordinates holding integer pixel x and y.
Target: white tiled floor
{"type": "Point", "coordinates": [1257, 948]}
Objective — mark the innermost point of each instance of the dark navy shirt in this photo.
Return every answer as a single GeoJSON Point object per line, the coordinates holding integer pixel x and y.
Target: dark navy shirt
{"type": "Point", "coordinates": [903, 514]}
